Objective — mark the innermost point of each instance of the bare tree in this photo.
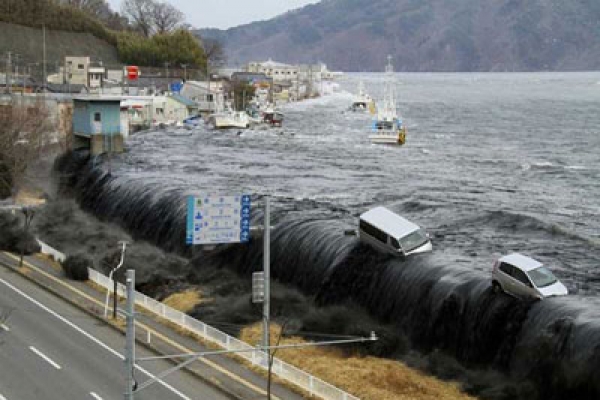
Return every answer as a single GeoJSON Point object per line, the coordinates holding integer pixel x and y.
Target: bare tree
{"type": "Point", "coordinates": [141, 14]}
{"type": "Point", "coordinates": [22, 130]}
{"type": "Point", "coordinates": [213, 50]}
{"type": "Point", "coordinates": [166, 17]}
{"type": "Point", "coordinates": [96, 8]}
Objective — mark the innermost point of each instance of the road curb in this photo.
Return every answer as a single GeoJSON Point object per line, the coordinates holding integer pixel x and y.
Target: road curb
{"type": "Point", "coordinates": [147, 346]}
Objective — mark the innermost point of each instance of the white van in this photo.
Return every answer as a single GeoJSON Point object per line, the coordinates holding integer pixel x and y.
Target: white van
{"type": "Point", "coordinates": [388, 232]}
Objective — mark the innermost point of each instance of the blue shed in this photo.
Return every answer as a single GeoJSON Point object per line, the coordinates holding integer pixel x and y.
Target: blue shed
{"type": "Point", "coordinates": [93, 116]}
{"type": "Point", "coordinates": [97, 124]}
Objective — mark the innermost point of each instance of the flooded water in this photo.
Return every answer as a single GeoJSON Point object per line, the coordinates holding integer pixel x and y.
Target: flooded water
{"type": "Point", "coordinates": [494, 163]}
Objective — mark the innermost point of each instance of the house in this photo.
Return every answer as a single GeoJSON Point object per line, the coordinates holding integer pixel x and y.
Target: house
{"type": "Point", "coordinates": [179, 107]}
{"type": "Point", "coordinates": [97, 124]}
{"type": "Point", "coordinates": [207, 95]}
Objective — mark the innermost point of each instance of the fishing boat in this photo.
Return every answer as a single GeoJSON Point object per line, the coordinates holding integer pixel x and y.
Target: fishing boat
{"type": "Point", "coordinates": [228, 118]}
{"type": "Point", "coordinates": [387, 125]}
{"type": "Point", "coordinates": [362, 101]}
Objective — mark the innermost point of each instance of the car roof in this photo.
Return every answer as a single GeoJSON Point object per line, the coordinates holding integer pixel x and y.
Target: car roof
{"type": "Point", "coordinates": [389, 222]}
{"type": "Point", "coordinates": [523, 262]}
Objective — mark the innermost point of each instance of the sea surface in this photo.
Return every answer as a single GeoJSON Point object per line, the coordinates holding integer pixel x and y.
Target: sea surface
{"type": "Point", "coordinates": [494, 163]}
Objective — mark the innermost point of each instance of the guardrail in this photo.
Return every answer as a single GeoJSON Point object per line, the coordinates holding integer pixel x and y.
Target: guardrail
{"type": "Point", "coordinates": [310, 383]}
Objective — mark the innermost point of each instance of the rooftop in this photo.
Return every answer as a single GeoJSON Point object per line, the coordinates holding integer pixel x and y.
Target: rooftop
{"type": "Point", "coordinates": [389, 222]}
{"type": "Point", "coordinates": [523, 262]}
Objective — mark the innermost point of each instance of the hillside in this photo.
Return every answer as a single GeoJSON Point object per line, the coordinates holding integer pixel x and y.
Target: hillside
{"type": "Point", "coordinates": [28, 44]}
{"type": "Point", "coordinates": [426, 35]}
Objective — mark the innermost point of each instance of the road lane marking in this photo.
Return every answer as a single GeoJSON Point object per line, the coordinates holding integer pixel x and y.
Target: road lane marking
{"type": "Point", "coordinates": [2, 397]}
{"type": "Point", "coordinates": [45, 357]}
{"type": "Point", "coordinates": [94, 395]}
{"type": "Point", "coordinates": [155, 333]}
{"type": "Point", "coordinates": [7, 329]}
{"type": "Point", "coordinates": [92, 338]}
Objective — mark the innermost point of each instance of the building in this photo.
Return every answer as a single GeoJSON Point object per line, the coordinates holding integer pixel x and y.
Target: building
{"type": "Point", "coordinates": [97, 124]}
{"type": "Point", "coordinates": [179, 108]}
{"type": "Point", "coordinates": [208, 96]}
{"type": "Point", "coordinates": [275, 70]}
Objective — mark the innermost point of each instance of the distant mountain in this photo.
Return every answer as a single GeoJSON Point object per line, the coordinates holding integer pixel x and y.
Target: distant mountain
{"type": "Point", "coordinates": [426, 35]}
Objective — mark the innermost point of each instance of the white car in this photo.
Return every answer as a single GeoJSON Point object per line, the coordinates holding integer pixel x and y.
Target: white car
{"type": "Point", "coordinates": [524, 277]}
{"type": "Point", "coordinates": [388, 232]}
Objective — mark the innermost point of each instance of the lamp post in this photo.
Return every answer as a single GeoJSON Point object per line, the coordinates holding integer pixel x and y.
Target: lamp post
{"type": "Point", "coordinates": [28, 213]}
{"type": "Point", "coordinates": [110, 277]}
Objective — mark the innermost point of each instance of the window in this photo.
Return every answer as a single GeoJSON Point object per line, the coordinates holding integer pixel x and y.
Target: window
{"type": "Point", "coordinates": [97, 117]}
{"type": "Point", "coordinates": [521, 277]}
{"type": "Point", "coordinates": [506, 268]}
{"type": "Point", "coordinates": [542, 277]}
{"type": "Point", "coordinates": [80, 66]}
{"type": "Point", "coordinates": [372, 231]}
{"type": "Point", "coordinates": [414, 240]}
{"type": "Point", "coordinates": [395, 243]}
{"type": "Point", "coordinates": [160, 111]}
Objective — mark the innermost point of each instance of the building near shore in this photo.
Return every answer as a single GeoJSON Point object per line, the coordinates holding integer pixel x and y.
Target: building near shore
{"type": "Point", "coordinates": [97, 124]}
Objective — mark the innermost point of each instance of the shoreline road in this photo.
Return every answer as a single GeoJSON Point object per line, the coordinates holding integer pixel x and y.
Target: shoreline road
{"type": "Point", "coordinates": [51, 350]}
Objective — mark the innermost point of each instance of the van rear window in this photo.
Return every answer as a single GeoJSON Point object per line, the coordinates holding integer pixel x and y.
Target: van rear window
{"type": "Point", "coordinates": [372, 231]}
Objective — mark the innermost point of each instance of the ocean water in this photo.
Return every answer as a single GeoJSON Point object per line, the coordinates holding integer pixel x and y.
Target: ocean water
{"type": "Point", "coordinates": [494, 163]}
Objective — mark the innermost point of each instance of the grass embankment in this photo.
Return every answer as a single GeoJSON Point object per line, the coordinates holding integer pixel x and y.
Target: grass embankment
{"type": "Point", "coordinates": [369, 378]}
{"type": "Point", "coordinates": [184, 301]}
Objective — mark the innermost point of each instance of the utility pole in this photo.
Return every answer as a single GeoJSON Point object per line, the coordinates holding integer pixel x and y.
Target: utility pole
{"type": "Point", "coordinates": [184, 66]}
{"type": "Point", "coordinates": [267, 271]}
{"type": "Point", "coordinates": [130, 335]}
{"type": "Point", "coordinates": [8, 72]}
{"type": "Point", "coordinates": [44, 47]}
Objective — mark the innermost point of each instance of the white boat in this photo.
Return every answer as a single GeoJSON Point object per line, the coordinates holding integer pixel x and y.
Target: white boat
{"type": "Point", "coordinates": [362, 101]}
{"type": "Point", "coordinates": [229, 118]}
{"type": "Point", "coordinates": [387, 124]}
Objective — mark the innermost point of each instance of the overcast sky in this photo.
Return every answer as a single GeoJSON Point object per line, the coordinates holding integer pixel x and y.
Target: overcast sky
{"type": "Point", "coordinates": [228, 13]}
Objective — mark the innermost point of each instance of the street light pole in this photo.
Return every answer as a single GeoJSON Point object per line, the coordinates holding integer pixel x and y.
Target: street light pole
{"type": "Point", "coordinates": [267, 271]}
{"type": "Point", "coordinates": [28, 213]}
{"type": "Point", "coordinates": [130, 335]}
{"type": "Point", "coordinates": [110, 277]}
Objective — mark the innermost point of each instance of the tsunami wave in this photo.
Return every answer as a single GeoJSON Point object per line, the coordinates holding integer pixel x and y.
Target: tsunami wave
{"type": "Point", "coordinates": [551, 346]}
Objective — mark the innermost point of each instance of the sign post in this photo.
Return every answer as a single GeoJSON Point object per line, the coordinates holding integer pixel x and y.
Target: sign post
{"type": "Point", "coordinates": [214, 219]}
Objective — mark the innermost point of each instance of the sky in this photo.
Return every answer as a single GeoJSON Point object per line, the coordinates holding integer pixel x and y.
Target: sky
{"type": "Point", "coordinates": [225, 14]}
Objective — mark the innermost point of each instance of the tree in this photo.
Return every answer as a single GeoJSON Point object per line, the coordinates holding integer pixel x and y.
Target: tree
{"type": "Point", "coordinates": [96, 8]}
{"type": "Point", "coordinates": [213, 49]}
{"type": "Point", "coordinates": [153, 17]}
{"type": "Point", "coordinates": [166, 18]}
{"type": "Point", "coordinates": [141, 14]}
{"type": "Point", "coordinates": [21, 141]}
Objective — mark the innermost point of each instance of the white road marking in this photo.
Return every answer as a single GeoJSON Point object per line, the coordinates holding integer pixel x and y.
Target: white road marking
{"type": "Point", "coordinates": [92, 338]}
{"type": "Point", "coordinates": [94, 395]}
{"type": "Point", "coordinates": [6, 328]}
{"type": "Point", "coordinates": [2, 397]}
{"type": "Point", "coordinates": [45, 357]}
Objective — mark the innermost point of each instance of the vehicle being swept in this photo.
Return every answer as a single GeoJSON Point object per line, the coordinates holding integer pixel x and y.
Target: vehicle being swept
{"type": "Point", "coordinates": [524, 277]}
{"type": "Point", "coordinates": [388, 232]}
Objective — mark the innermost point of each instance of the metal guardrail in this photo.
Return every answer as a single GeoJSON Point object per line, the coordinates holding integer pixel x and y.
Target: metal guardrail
{"type": "Point", "coordinates": [304, 380]}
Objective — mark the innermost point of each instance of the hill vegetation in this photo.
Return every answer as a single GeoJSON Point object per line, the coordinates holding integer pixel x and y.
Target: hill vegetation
{"type": "Point", "coordinates": [162, 40]}
{"type": "Point", "coordinates": [426, 35]}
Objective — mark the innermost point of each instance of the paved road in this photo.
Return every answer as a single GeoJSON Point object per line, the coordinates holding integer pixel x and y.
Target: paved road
{"type": "Point", "coordinates": [52, 350]}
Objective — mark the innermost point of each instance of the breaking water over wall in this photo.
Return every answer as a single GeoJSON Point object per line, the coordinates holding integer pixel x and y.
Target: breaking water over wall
{"type": "Point", "coordinates": [551, 347]}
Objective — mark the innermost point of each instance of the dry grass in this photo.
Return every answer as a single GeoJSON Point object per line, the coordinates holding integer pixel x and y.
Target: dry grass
{"type": "Point", "coordinates": [369, 378]}
{"type": "Point", "coordinates": [30, 197]}
{"type": "Point", "coordinates": [184, 301]}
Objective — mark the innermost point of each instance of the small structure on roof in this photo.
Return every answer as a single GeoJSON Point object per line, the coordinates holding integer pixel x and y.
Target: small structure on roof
{"type": "Point", "coordinates": [97, 124]}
